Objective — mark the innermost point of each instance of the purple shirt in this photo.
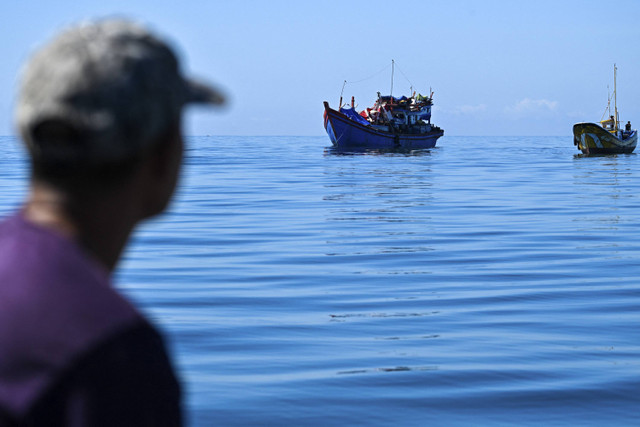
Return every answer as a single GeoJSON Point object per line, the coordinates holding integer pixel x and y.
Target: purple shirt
{"type": "Point", "coordinates": [69, 341]}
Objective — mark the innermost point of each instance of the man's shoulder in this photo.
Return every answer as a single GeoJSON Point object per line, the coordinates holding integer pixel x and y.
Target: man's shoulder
{"type": "Point", "coordinates": [125, 380]}
{"type": "Point", "coordinates": [55, 304]}
{"type": "Point", "coordinates": [47, 273]}
{"type": "Point", "coordinates": [29, 252]}
{"type": "Point", "coordinates": [50, 288]}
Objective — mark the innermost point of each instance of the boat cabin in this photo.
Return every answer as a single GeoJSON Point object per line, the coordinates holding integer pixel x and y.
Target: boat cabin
{"type": "Point", "coordinates": [405, 114]}
{"type": "Point", "coordinates": [609, 124]}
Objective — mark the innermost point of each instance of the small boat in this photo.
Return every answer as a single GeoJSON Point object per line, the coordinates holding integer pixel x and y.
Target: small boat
{"type": "Point", "coordinates": [607, 137]}
{"type": "Point", "coordinates": [392, 123]}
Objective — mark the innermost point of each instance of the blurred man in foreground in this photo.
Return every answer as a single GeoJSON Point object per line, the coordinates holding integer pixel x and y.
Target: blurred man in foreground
{"type": "Point", "coordinates": [99, 111]}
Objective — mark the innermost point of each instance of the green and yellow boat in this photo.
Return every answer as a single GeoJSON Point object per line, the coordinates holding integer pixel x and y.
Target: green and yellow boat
{"type": "Point", "coordinates": [608, 137]}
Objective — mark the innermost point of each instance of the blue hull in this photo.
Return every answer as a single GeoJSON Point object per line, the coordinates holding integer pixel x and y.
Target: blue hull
{"type": "Point", "coordinates": [345, 133]}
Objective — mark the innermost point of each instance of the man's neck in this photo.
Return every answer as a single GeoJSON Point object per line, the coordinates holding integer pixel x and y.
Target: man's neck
{"type": "Point", "coordinates": [101, 226]}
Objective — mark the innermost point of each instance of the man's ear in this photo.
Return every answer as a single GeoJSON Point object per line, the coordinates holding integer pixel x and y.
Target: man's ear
{"type": "Point", "coordinates": [163, 168]}
{"type": "Point", "coordinates": [159, 157]}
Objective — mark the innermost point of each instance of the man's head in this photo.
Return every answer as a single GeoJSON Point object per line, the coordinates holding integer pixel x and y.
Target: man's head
{"type": "Point", "coordinates": [99, 97]}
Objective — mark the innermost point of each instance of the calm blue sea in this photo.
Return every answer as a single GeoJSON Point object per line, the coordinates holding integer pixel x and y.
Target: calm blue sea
{"type": "Point", "coordinates": [488, 281]}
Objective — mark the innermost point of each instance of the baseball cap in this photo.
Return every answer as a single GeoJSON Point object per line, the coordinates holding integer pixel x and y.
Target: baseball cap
{"type": "Point", "coordinates": [102, 92]}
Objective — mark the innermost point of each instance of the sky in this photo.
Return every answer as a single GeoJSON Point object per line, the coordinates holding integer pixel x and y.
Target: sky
{"type": "Point", "coordinates": [497, 68]}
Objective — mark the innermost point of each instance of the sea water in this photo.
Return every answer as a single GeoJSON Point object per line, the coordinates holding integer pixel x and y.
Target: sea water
{"type": "Point", "coordinates": [487, 281]}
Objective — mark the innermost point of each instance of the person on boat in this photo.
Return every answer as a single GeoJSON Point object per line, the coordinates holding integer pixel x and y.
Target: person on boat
{"type": "Point", "coordinates": [608, 124]}
{"type": "Point", "coordinates": [627, 127]}
{"type": "Point", "coordinates": [99, 110]}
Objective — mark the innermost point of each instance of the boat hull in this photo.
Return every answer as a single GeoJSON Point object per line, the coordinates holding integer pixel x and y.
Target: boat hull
{"type": "Point", "coordinates": [346, 134]}
{"type": "Point", "coordinates": [591, 138]}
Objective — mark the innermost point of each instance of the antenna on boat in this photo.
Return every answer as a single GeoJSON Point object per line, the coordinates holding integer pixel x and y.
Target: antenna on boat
{"type": "Point", "coordinates": [615, 95]}
{"type": "Point", "coordinates": [341, 92]}
{"type": "Point", "coordinates": [607, 110]}
{"type": "Point", "coordinates": [391, 91]}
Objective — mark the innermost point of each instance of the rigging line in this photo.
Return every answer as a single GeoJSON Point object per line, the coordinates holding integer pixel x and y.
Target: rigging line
{"type": "Point", "coordinates": [368, 78]}
{"type": "Point", "coordinates": [608, 107]}
{"type": "Point", "coordinates": [405, 76]}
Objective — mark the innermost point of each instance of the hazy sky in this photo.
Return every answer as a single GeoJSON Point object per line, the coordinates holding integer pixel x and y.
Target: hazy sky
{"type": "Point", "coordinates": [496, 67]}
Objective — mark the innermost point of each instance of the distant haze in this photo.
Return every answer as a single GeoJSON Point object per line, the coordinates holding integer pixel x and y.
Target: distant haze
{"type": "Point", "coordinates": [496, 67]}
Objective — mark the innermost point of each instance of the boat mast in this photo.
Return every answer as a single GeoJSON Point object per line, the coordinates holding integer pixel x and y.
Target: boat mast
{"type": "Point", "coordinates": [615, 95]}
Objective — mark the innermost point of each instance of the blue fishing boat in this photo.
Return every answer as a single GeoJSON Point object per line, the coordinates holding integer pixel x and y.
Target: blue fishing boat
{"type": "Point", "coordinates": [392, 123]}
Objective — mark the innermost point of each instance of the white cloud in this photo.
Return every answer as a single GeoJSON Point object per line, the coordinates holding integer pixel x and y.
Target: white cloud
{"type": "Point", "coordinates": [461, 109]}
{"type": "Point", "coordinates": [532, 106]}
{"type": "Point", "coordinates": [470, 109]}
